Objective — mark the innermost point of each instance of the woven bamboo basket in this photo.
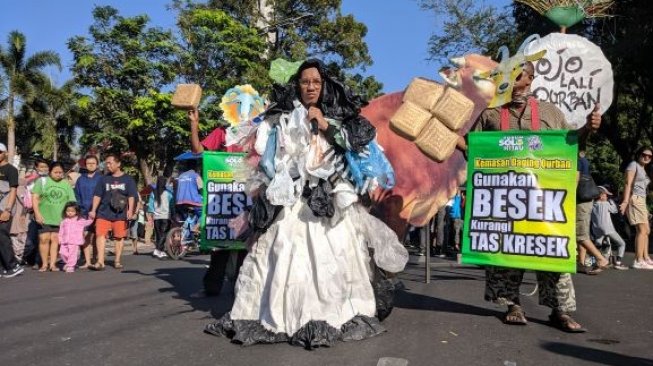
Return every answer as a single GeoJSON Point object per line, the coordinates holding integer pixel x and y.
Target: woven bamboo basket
{"type": "Point", "coordinates": [423, 92]}
{"type": "Point", "coordinates": [409, 120]}
{"type": "Point", "coordinates": [453, 109]}
{"type": "Point", "coordinates": [187, 96]}
{"type": "Point", "coordinates": [437, 141]}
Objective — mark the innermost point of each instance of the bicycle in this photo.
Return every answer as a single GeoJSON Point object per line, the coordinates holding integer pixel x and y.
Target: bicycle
{"type": "Point", "coordinates": [182, 239]}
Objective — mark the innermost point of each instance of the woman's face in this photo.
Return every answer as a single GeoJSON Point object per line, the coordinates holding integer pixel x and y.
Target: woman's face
{"type": "Point", "coordinates": [310, 86]}
{"type": "Point", "coordinates": [56, 173]}
{"type": "Point", "coordinates": [645, 156]}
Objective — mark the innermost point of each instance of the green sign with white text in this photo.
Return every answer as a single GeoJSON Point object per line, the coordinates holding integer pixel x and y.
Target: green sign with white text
{"type": "Point", "coordinates": [224, 198]}
{"type": "Point", "coordinates": [521, 200]}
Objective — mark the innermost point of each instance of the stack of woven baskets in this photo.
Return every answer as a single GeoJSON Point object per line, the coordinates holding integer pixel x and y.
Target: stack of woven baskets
{"type": "Point", "coordinates": [430, 116]}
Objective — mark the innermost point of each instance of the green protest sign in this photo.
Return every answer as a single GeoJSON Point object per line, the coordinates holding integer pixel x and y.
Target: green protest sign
{"type": "Point", "coordinates": [224, 198]}
{"type": "Point", "coordinates": [521, 200]}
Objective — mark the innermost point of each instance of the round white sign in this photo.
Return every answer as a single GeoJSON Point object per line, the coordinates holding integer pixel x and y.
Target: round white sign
{"type": "Point", "coordinates": [574, 75]}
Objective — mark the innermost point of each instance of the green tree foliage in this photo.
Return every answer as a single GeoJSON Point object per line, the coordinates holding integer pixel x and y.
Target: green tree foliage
{"type": "Point", "coordinates": [296, 30]}
{"type": "Point", "coordinates": [127, 65]}
{"type": "Point", "coordinates": [472, 26]}
{"type": "Point", "coordinates": [23, 76]}
{"type": "Point", "coordinates": [53, 114]}
{"type": "Point", "coordinates": [628, 124]}
{"type": "Point", "coordinates": [217, 52]}
{"type": "Point", "coordinates": [468, 26]}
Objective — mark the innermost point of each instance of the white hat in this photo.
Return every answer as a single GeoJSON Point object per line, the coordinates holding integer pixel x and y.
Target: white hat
{"type": "Point", "coordinates": [3, 147]}
{"type": "Point", "coordinates": [604, 190]}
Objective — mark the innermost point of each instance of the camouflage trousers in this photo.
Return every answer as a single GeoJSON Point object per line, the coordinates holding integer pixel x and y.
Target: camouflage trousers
{"type": "Point", "coordinates": [556, 290]}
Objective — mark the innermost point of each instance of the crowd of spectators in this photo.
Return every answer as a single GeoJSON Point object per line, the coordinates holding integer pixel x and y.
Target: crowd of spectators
{"type": "Point", "coordinates": [55, 219]}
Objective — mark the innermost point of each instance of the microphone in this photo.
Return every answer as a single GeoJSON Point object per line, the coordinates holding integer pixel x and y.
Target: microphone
{"type": "Point", "coordinates": [314, 128]}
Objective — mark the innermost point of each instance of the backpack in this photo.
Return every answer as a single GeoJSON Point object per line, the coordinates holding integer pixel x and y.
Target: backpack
{"type": "Point", "coordinates": [117, 201]}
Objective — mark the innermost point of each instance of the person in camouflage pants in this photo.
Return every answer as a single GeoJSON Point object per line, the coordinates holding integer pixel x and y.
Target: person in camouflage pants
{"type": "Point", "coordinates": [556, 290]}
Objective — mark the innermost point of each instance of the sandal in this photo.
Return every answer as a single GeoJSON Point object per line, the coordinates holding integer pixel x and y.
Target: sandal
{"type": "Point", "coordinates": [565, 323]}
{"type": "Point", "coordinates": [44, 269]}
{"type": "Point", "coordinates": [96, 267]}
{"type": "Point", "coordinates": [54, 269]}
{"type": "Point", "coordinates": [605, 266]}
{"type": "Point", "coordinates": [515, 316]}
{"type": "Point", "coordinates": [117, 265]}
{"type": "Point", "coordinates": [589, 270]}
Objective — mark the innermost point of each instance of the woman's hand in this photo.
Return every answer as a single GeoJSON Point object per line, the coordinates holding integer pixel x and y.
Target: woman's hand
{"type": "Point", "coordinates": [623, 206]}
{"type": "Point", "coordinates": [39, 218]}
{"type": "Point", "coordinates": [315, 113]}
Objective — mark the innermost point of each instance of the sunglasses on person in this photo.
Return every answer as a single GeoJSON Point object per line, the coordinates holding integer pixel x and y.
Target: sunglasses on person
{"type": "Point", "coordinates": [647, 156]}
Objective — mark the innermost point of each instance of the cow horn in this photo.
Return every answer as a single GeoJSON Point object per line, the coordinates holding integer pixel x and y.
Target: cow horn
{"type": "Point", "coordinates": [528, 40]}
{"type": "Point", "coordinates": [459, 61]}
{"type": "Point", "coordinates": [504, 53]}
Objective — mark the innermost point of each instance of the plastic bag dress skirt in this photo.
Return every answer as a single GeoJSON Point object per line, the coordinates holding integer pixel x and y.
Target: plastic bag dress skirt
{"type": "Point", "coordinates": [307, 280]}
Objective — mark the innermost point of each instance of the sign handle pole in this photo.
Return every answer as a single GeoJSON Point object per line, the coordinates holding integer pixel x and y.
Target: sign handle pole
{"type": "Point", "coordinates": [427, 243]}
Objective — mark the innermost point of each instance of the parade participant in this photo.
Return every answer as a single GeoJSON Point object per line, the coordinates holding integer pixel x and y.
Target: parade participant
{"type": "Point", "coordinates": [215, 141]}
{"type": "Point", "coordinates": [556, 290]}
{"type": "Point", "coordinates": [49, 199]}
{"type": "Point", "coordinates": [306, 279]}
{"type": "Point", "coordinates": [71, 235]}
{"type": "Point", "coordinates": [113, 205]}
{"type": "Point", "coordinates": [8, 185]}
{"type": "Point", "coordinates": [634, 205]}
{"type": "Point", "coordinates": [239, 104]}
{"type": "Point", "coordinates": [84, 190]}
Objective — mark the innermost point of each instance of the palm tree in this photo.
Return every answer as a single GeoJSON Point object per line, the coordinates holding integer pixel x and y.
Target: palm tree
{"type": "Point", "coordinates": [54, 111]}
{"type": "Point", "coordinates": [23, 76]}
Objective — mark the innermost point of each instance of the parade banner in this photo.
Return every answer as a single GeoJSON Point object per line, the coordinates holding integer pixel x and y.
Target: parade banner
{"type": "Point", "coordinates": [574, 75]}
{"type": "Point", "coordinates": [521, 194]}
{"type": "Point", "coordinates": [224, 198]}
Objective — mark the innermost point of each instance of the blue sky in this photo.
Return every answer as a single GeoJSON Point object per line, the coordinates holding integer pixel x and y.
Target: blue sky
{"type": "Point", "coordinates": [398, 31]}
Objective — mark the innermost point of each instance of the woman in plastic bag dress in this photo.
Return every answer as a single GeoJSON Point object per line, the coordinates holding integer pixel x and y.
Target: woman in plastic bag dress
{"type": "Point", "coordinates": [308, 278]}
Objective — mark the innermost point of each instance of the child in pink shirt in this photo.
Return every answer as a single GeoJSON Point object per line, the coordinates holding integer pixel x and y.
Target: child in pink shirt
{"type": "Point", "coordinates": [71, 235]}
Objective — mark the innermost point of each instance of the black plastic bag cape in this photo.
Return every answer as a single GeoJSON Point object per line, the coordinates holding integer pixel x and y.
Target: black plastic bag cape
{"type": "Point", "coordinates": [336, 102]}
{"type": "Point", "coordinates": [262, 213]}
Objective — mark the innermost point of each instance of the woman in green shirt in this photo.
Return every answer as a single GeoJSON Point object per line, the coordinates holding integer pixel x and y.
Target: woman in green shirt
{"type": "Point", "coordinates": [49, 197]}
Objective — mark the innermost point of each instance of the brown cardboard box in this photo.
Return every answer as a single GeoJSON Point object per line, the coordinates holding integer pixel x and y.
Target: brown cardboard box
{"type": "Point", "coordinates": [187, 96]}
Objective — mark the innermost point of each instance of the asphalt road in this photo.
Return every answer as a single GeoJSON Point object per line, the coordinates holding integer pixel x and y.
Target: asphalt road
{"type": "Point", "coordinates": [153, 312]}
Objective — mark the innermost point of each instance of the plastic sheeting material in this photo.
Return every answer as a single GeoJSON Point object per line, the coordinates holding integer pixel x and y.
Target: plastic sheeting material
{"type": "Point", "coordinates": [281, 191]}
{"type": "Point", "coordinates": [313, 334]}
{"type": "Point", "coordinates": [389, 257]}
